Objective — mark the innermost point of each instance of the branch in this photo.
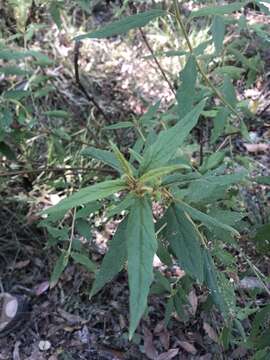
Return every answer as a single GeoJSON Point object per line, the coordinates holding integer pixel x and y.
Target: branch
{"type": "Point", "coordinates": [204, 75]}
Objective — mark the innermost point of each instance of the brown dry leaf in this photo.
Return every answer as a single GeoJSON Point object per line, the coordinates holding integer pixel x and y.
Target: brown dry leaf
{"type": "Point", "coordinates": [164, 337]}
{"type": "Point", "coordinates": [149, 348]}
{"type": "Point", "coordinates": [168, 355]}
{"type": "Point", "coordinates": [239, 353]}
{"type": "Point", "coordinates": [21, 264]}
{"type": "Point", "coordinates": [41, 288]}
{"type": "Point", "coordinates": [255, 148]}
{"type": "Point", "coordinates": [188, 347]}
{"type": "Point", "coordinates": [16, 351]}
{"type": "Point", "coordinates": [71, 319]}
{"type": "Point", "coordinates": [193, 300]}
{"type": "Point", "coordinates": [210, 332]}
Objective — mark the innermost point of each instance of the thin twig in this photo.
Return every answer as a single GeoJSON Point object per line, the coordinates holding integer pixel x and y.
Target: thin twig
{"type": "Point", "coordinates": [157, 62]}
{"type": "Point", "coordinates": [48, 169]}
{"type": "Point", "coordinates": [80, 85]}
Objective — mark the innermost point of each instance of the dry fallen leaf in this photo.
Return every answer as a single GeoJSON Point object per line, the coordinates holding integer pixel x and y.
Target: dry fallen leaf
{"type": "Point", "coordinates": [41, 288]}
{"type": "Point", "coordinates": [193, 300]}
{"type": "Point", "coordinates": [149, 348]}
{"type": "Point", "coordinates": [256, 148]}
{"type": "Point", "coordinates": [210, 332]}
{"type": "Point", "coordinates": [168, 355]}
{"type": "Point", "coordinates": [188, 347]}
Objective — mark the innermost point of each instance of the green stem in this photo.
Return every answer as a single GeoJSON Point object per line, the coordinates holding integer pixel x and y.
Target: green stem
{"type": "Point", "coordinates": [201, 70]}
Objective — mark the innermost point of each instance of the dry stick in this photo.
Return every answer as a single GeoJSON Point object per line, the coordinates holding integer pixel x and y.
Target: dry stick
{"type": "Point", "coordinates": [78, 81]}
{"type": "Point", "coordinates": [157, 62]}
{"type": "Point", "coordinates": [46, 169]}
{"type": "Point", "coordinates": [205, 77]}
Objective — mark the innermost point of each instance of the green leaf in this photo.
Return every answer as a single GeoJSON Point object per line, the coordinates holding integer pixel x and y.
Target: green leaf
{"type": "Point", "coordinates": [83, 260]}
{"type": "Point", "coordinates": [142, 246]}
{"type": "Point", "coordinates": [212, 161]}
{"type": "Point", "coordinates": [88, 194]}
{"type": "Point", "coordinates": [207, 220]}
{"type": "Point", "coordinates": [13, 70]}
{"type": "Point", "coordinates": [61, 114]}
{"type": "Point", "coordinates": [59, 267]}
{"type": "Point", "coordinates": [220, 288]}
{"type": "Point", "coordinates": [124, 164]}
{"type": "Point", "coordinates": [219, 124]}
{"type": "Point", "coordinates": [114, 260]}
{"type": "Point", "coordinates": [233, 72]}
{"type": "Point", "coordinates": [217, 10]}
{"type": "Point", "coordinates": [83, 227]}
{"type": "Point", "coordinates": [119, 125]}
{"type": "Point", "coordinates": [54, 9]}
{"type": "Point", "coordinates": [168, 141]}
{"type": "Point", "coordinates": [265, 180]}
{"type": "Point", "coordinates": [218, 32]}
{"type": "Point", "coordinates": [228, 91]}
{"type": "Point", "coordinates": [160, 172]}
{"type": "Point", "coordinates": [103, 155]}
{"type": "Point", "coordinates": [125, 204]}
{"type": "Point", "coordinates": [6, 151]}
{"type": "Point", "coordinates": [88, 209]}
{"type": "Point", "coordinates": [262, 239]}
{"type": "Point", "coordinates": [124, 25]}
{"type": "Point", "coordinates": [184, 240]}
{"type": "Point", "coordinates": [150, 114]}
{"type": "Point", "coordinates": [186, 92]}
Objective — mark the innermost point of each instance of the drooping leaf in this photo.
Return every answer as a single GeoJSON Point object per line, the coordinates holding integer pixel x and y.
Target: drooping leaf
{"type": "Point", "coordinates": [88, 194]}
{"type": "Point", "coordinates": [123, 25]}
{"type": "Point", "coordinates": [168, 141]}
{"type": "Point", "coordinates": [142, 246]}
{"type": "Point", "coordinates": [228, 91]}
{"type": "Point", "coordinates": [219, 124]}
{"type": "Point", "coordinates": [217, 10]}
{"type": "Point", "coordinates": [186, 91]}
{"type": "Point", "coordinates": [184, 241]}
{"type": "Point", "coordinates": [103, 155]}
{"type": "Point", "coordinates": [84, 260]}
{"type": "Point", "coordinates": [218, 32]}
{"type": "Point", "coordinates": [114, 259]}
{"type": "Point", "coordinates": [207, 220]}
{"type": "Point", "coordinates": [58, 269]}
{"type": "Point", "coordinates": [221, 290]}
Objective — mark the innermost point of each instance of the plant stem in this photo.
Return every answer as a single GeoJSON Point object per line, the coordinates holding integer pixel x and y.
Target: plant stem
{"type": "Point", "coordinates": [201, 70]}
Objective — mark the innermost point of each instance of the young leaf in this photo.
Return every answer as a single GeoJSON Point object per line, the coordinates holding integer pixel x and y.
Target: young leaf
{"type": "Point", "coordinates": [114, 259]}
{"type": "Point", "coordinates": [184, 241]}
{"type": "Point", "coordinates": [124, 164]}
{"type": "Point", "coordinates": [218, 32]}
{"type": "Point", "coordinates": [186, 91]}
{"type": "Point", "coordinates": [103, 155]}
{"type": "Point", "coordinates": [88, 194]}
{"type": "Point", "coordinates": [160, 172]}
{"type": "Point", "coordinates": [124, 25]}
{"type": "Point", "coordinates": [83, 260]}
{"type": "Point", "coordinates": [141, 247]}
{"type": "Point", "coordinates": [168, 141]}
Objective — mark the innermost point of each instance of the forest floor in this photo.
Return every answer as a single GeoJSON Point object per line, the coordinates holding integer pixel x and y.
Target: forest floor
{"type": "Point", "coordinates": [61, 323]}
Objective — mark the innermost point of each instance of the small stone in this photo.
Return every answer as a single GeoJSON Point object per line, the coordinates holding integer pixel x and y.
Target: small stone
{"type": "Point", "coordinates": [44, 345]}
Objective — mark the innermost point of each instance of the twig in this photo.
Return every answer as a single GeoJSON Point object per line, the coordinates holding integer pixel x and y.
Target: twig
{"type": "Point", "coordinates": [205, 77]}
{"type": "Point", "coordinates": [157, 62]}
{"type": "Point", "coordinates": [48, 169]}
{"type": "Point", "coordinates": [80, 85]}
